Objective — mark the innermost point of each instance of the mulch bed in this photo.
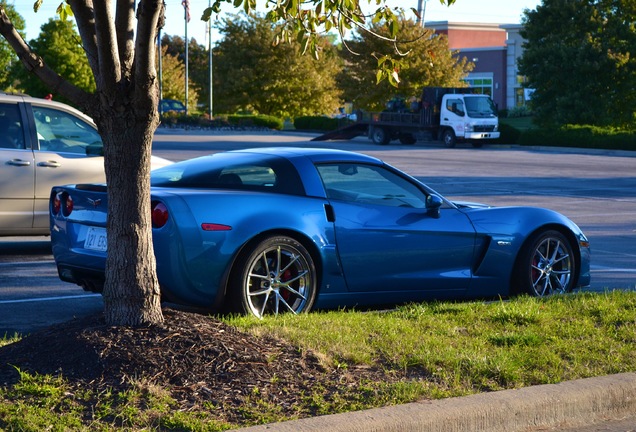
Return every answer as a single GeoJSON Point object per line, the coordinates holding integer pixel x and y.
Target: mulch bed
{"type": "Point", "coordinates": [198, 359]}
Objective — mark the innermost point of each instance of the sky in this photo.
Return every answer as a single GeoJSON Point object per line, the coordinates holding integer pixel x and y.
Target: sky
{"type": "Point", "coordinates": [482, 11]}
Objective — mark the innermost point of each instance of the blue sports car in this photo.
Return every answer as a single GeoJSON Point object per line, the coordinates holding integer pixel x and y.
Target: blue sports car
{"type": "Point", "coordinates": [276, 230]}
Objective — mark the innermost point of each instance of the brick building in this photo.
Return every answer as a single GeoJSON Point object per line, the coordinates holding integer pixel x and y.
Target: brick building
{"type": "Point", "coordinates": [494, 49]}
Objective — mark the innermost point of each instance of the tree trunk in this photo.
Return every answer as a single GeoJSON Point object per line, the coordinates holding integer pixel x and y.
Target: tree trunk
{"type": "Point", "coordinates": [131, 291]}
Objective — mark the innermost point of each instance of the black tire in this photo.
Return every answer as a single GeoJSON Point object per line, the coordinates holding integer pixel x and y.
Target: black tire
{"type": "Point", "coordinates": [408, 139]}
{"type": "Point", "coordinates": [277, 275]}
{"type": "Point", "coordinates": [449, 139]}
{"type": "Point", "coordinates": [380, 136]}
{"type": "Point", "coordinates": [546, 266]}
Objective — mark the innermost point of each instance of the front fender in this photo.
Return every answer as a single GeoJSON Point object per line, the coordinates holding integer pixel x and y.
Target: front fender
{"type": "Point", "coordinates": [503, 231]}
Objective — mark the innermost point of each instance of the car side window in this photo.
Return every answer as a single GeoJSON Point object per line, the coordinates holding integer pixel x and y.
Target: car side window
{"type": "Point", "coordinates": [60, 131]}
{"type": "Point", "coordinates": [11, 134]}
{"type": "Point", "coordinates": [249, 175]}
{"type": "Point", "coordinates": [369, 184]}
{"type": "Point", "coordinates": [239, 172]}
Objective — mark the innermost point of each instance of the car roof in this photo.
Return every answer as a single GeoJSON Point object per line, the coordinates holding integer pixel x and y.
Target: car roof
{"type": "Point", "coordinates": [20, 97]}
{"type": "Point", "coordinates": [312, 153]}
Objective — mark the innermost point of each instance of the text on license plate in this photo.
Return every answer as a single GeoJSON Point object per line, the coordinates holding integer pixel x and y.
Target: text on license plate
{"type": "Point", "coordinates": [96, 239]}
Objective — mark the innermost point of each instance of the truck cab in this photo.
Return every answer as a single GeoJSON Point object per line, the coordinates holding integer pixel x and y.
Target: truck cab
{"type": "Point", "coordinates": [467, 117]}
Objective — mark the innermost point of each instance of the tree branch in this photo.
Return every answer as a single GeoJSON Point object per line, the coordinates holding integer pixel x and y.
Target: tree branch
{"type": "Point", "coordinates": [35, 64]}
{"type": "Point", "coordinates": [150, 15]}
{"type": "Point", "coordinates": [107, 48]}
{"type": "Point", "coordinates": [83, 11]}
{"type": "Point", "coordinates": [124, 18]}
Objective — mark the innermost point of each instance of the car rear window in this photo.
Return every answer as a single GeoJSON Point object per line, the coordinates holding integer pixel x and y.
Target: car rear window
{"type": "Point", "coordinates": [232, 171]}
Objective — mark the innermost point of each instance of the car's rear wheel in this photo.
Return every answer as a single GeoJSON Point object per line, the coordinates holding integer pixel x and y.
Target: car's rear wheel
{"type": "Point", "coordinates": [380, 136]}
{"type": "Point", "coordinates": [277, 275]}
{"type": "Point", "coordinates": [547, 266]}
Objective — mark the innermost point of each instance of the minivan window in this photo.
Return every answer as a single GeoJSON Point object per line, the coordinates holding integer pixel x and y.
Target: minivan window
{"type": "Point", "coordinates": [60, 131]}
{"type": "Point", "coordinates": [11, 135]}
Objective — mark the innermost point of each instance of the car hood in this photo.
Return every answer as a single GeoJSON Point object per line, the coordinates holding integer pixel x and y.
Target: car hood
{"type": "Point", "coordinates": [468, 204]}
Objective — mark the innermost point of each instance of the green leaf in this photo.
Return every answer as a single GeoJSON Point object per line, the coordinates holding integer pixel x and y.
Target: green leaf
{"type": "Point", "coordinates": [36, 5]}
{"type": "Point", "coordinates": [305, 45]}
{"type": "Point", "coordinates": [64, 11]}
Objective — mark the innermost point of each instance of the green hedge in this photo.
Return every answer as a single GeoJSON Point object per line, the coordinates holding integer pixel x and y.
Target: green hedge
{"type": "Point", "coordinates": [222, 120]}
{"type": "Point", "coordinates": [508, 134]}
{"type": "Point", "coordinates": [270, 122]}
{"type": "Point", "coordinates": [319, 123]}
{"type": "Point", "coordinates": [580, 136]}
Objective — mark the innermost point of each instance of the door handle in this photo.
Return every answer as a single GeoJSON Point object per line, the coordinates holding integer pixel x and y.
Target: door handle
{"type": "Point", "coordinates": [50, 164]}
{"type": "Point", "coordinates": [19, 162]}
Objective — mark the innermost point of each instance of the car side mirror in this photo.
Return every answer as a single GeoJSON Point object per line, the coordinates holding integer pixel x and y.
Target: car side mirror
{"type": "Point", "coordinates": [95, 149]}
{"type": "Point", "coordinates": [433, 204]}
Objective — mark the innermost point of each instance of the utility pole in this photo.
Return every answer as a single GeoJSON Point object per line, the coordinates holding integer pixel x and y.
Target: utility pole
{"type": "Point", "coordinates": [210, 61]}
{"type": "Point", "coordinates": [421, 10]}
{"type": "Point", "coordinates": [186, 11]}
{"type": "Point", "coordinates": [160, 70]}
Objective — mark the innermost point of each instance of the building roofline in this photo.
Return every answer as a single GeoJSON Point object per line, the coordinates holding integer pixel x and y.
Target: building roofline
{"type": "Point", "coordinates": [446, 25]}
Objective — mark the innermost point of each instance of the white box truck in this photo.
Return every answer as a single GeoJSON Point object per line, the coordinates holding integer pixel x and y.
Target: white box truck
{"type": "Point", "coordinates": [449, 114]}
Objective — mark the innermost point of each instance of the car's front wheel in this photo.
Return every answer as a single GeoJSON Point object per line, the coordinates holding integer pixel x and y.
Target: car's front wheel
{"type": "Point", "coordinates": [449, 138]}
{"type": "Point", "coordinates": [277, 275]}
{"type": "Point", "coordinates": [547, 266]}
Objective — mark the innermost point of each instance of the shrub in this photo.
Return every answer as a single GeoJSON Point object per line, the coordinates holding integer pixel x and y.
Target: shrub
{"type": "Point", "coordinates": [173, 119]}
{"type": "Point", "coordinates": [582, 136]}
{"type": "Point", "coordinates": [320, 123]}
{"type": "Point", "coordinates": [520, 111]}
{"type": "Point", "coordinates": [508, 134]}
{"type": "Point", "coordinates": [266, 121]}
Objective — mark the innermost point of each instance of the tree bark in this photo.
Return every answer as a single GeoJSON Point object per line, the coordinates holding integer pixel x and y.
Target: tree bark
{"type": "Point", "coordinates": [131, 291]}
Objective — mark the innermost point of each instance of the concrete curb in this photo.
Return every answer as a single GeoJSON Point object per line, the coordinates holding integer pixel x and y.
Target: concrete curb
{"type": "Point", "coordinates": [571, 403]}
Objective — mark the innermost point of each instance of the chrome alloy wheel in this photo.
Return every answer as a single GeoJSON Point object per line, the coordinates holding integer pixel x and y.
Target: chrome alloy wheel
{"type": "Point", "coordinates": [279, 279]}
{"type": "Point", "coordinates": [551, 267]}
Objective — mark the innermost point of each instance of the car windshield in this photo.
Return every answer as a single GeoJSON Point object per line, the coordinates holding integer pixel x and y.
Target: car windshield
{"type": "Point", "coordinates": [238, 171]}
{"type": "Point", "coordinates": [480, 107]}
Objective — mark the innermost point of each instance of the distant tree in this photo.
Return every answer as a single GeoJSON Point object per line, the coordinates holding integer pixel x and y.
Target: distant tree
{"type": "Point", "coordinates": [251, 74]}
{"type": "Point", "coordinates": [61, 48]}
{"type": "Point", "coordinates": [579, 59]}
{"type": "Point", "coordinates": [198, 71]}
{"type": "Point", "coordinates": [429, 63]}
{"type": "Point", "coordinates": [173, 80]}
{"type": "Point", "coordinates": [8, 58]}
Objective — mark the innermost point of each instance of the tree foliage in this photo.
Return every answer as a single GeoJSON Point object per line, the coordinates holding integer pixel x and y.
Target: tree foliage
{"type": "Point", "coordinates": [307, 21]}
{"type": "Point", "coordinates": [60, 47]}
{"type": "Point", "coordinates": [251, 74]}
{"type": "Point", "coordinates": [173, 79]}
{"type": "Point", "coordinates": [7, 56]}
{"type": "Point", "coordinates": [429, 63]}
{"type": "Point", "coordinates": [578, 57]}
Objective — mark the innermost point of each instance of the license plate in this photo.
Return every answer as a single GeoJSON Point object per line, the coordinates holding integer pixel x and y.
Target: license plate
{"type": "Point", "coordinates": [96, 239]}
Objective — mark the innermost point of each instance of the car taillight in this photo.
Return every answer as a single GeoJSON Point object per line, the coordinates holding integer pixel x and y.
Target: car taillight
{"type": "Point", "coordinates": [57, 204]}
{"type": "Point", "coordinates": [62, 201]}
{"type": "Point", "coordinates": [68, 205]}
{"type": "Point", "coordinates": [159, 214]}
